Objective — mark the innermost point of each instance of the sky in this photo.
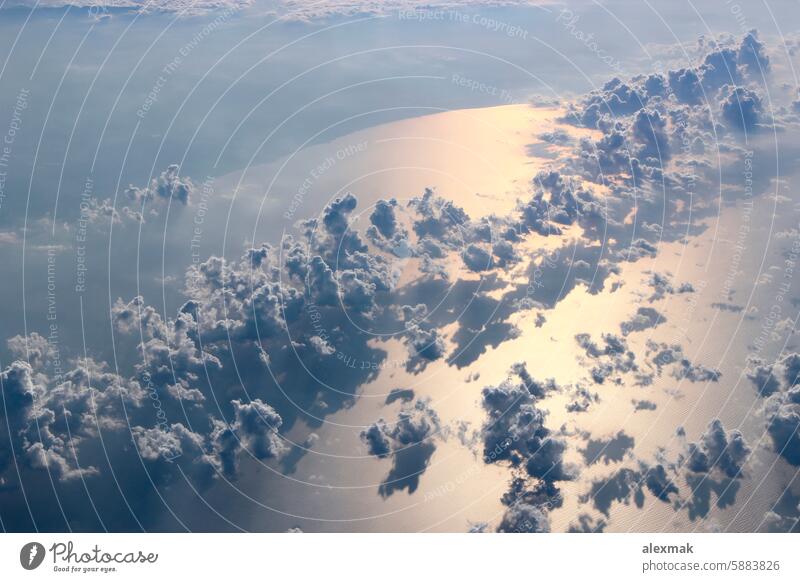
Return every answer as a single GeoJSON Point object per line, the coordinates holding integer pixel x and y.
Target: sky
{"type": "Point", "coordinates": [399, 266]}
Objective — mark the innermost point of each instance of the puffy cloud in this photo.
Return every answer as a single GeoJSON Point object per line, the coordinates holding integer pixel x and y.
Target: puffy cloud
{"type": "Point", "coordinates": [753, 56]}
{"type": "Point", "coordinates": [357, 293]}
{"type": "Point", "coordinates": [582, 398]}
{"type": "Point", "coordinates": [616, 98]}
{"type": "Point", "coordinates": [655, 85]}
{"type": "Point", "coordinates": [741, 108]}
{"type": "Point", "coordinates": [425, 345]}
{"type": "Point", "coordinates": [18, 391]}
{"type": "Point", "coordinates": [52, 425]}
{"type": "Point", "coordinates": [514, 431]}
{"type": "Point", "coordinates": [645, 318]}
{"type": "Point", "coordinates": [613, 357]}
{"type": "Point", "coordinates": [662, 286]}
{"type": "Point", "coordinates": [167, 443]}
{"type": "Point", "coordinates": [183, 7]}
{"type": "Point", "coordinates": [255, 427]}
{"type": "Point", "coordinates": [783, 425]}
{"type": "Point", "coordinates": [335, 216]}
{"type": "Point", "coordinates": [649, 130]}
{"type": "Point", "coordinates": [322, 285]}
{"type": "Point", "coordinates": [32, 348]}
{"type": "Point", "coordinates": [778, 383]}
{"type": "Point", "coordinates": [717, 450]}
{"type": "Point", "coordinates": [167, 186]}
{"type": "Point", "coordinates": [383, 217]}
{"type": "Point", "coordinates": [537, 389]}
{"type": "Point", "coordinates": [682, 367]}
{"type": "Point", "coordinates": [555, 202]}
{"type": "Point", "coordinates": [170, 350]}
{"type": "Point", "coordinates": [376, 439]}
{"type": "Point", "coordinates": [410, 441]}
{"type": "Point", "coordinates": [60, 434]}
{"type": "Point", "coordinates": [523, 517]}
{"type": "Point", "coordinates": [638, 249]}
{"type": "Point", "coordinates": [643, 405]}
{"type": "Point", "coordinates": [730, 308]}
{"type": "Point", "coordinates": [477, 258]}
{"type": "Point", "coordinates": [685, 84]}
{"type": "Point", "coordinates": [763, 377]}
{"type": "Point", "coordinates": [784, 517]}
{"type": "Point", "coordinates": [720, 67]}
{"type": "Point", "coordinates": [712, 465]}
{"type": "Point", "coordinates": [440, 219]}
{"type": "Point", "coordinates": [302, 10]}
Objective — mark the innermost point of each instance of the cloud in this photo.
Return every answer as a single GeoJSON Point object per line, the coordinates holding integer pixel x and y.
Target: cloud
{"type": "Point", "coordinates": [645, 318]}
{"type": "Point", "coordinates": [763, 378]}
{"type": "Point", "coordinates": [477, 258]}
{"type": "Point", "coordinates": [784, 517]}
{"type": "Point", "coordinates": [784, 426]}
{"type": "Point", "coordinates": [514, 430]}
{"type": "Point", "coordinates": [377, 441]}
{"type": "Point", "coordinates": [33, 348]}
{"type": "Point", "coordinates": [402, 394]}
{"type": "Point", "coordinates": [741, 108]}
{"type": "Point", "coordinates": [778, 384]}
{"type": "Point", "coordinates": [167, 186]}
{"type": "Point", "coordinates": [582, 398]}
{"type": "Point", "coordinates": [753, 56]}
{"type": "Point", "coordinates": [302, 10]}
{"type": "Point", "coordinates": [425, 343]}
{"type": "Point", "coordinates": [717, 450]}
{"type": "Point", "coordinates": [254, 430]}
{"type": "Point", "coordinates": [720, 67]}
{"type": "Point", "coordinates": [649, 131]}
{"type": "Point", "coordinates": [713, 465]}
{"type": "Point", "coordinates": [409, 441]}
{"type": "Point", "coordinates": [185, 7]}
{"type": "Point", "coordinates": [616, 98]}
{"type": "Point", "coordinates": [58, 440]}
{"type": "Point", "coordinates": [643, 405]}
{"type": "Point", "coordinates": [524, 518]}
{"type": "Point", "coordinates": [662, 286]}
{"type": "Point", "coordinates": [626, 485]}
{"type": "Point", "coordinates": [685, 84]}
{"type": "Point", "coordinates": [613, 357]}
{"type": "Point", "coordinates": [384, 219]}
{"type": "Point", "coordinates": [728, 307]}
{"type": "Point", "coordinates": [682, 367]}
